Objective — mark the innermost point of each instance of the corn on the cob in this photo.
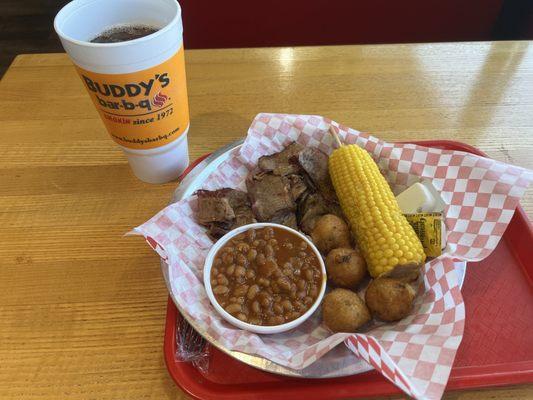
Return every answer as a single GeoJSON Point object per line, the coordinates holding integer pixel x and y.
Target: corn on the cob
{"type": "Point", "coordinates": [383, 234]}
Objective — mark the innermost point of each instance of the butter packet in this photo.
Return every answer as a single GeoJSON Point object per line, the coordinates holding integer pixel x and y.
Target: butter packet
{"type": "Point", "coordinates": [428, 227]}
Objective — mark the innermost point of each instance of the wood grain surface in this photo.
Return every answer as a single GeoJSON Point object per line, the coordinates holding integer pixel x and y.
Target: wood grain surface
{"type": "Point", "coordinates": [82, 308]}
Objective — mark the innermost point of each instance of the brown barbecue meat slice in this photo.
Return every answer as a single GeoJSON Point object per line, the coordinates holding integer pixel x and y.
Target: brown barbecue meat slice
{"type": "Point", "coordinates": [213, 206]}
{"type": "Point", "coordinates": [218, 229]}
{"type": "Point", "coordinates": [312, 207]}
{"type": "Point", "coordinates": [241, 205]}
{"type": "Point", "coordinates": [243, 216]}
{"type": "Point", "coordinates": [283, 162]}
{"type": "Point", "coordinates": [298, 185]}
{"type": "Point", "coordinates": [287, 218]}
{"type": "Point", "coordinates": [315, 163]}
{"type": "Point", "coordinates": [270, 195]}
{"type": "Point", "coordinates": [223, 210]}
{"type": "Point", "coordinates": [237, 198]}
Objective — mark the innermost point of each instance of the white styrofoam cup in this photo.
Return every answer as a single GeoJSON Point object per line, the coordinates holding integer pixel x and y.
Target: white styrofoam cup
{"type": "Point", "coordinates": [165, 156]}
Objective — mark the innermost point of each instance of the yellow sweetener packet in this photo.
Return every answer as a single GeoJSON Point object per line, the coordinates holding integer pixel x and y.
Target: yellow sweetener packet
{"type": "Point", "coordinates": [428, 227]}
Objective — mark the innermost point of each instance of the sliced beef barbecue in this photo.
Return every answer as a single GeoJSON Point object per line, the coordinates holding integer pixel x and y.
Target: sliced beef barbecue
{"type": "Point", "coordinates": [282, 163]}
{"type": "Point", "coordinates": [241, 205]}
{"type": "Point", "coordinates": [315, 163]}
{"type": "Point", "coordinates": [223, 210]}
{"type": "Point", "coordinates": [291, 187]}
{"type": "Point", "coordinates": [287, 219]}
{"type": "Point", "coordinates": [270, 195]}
{"type": "Point", "coordinates": [218, 229]}
{"type": "Point", "coordinates": [312, 207]}
{"type": "Point", "coordinates": [213, 207]}
{"type": "Point", "coordinates": [297, 185]}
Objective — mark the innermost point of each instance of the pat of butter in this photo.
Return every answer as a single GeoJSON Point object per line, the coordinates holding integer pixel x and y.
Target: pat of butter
{"type": "Point", "coordinates": [423, 198]}
{"type": "Point", "coordinates": [416, 199]}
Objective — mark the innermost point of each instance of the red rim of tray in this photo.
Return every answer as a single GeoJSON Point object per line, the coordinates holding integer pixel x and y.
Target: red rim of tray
{"type": "Point", "coordinates": [483, 359]}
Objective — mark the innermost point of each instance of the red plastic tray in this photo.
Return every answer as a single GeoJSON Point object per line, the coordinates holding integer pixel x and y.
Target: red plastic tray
{"type": "Point", "coordinates": [497, 347]}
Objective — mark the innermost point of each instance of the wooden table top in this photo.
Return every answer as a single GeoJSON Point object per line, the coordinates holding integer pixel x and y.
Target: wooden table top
{"type": "Point", "coordinates": [82, 308]}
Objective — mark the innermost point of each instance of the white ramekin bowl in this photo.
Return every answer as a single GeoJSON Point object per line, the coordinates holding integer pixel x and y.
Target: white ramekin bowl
{"type": "Point", "coordinates": [260, 328]}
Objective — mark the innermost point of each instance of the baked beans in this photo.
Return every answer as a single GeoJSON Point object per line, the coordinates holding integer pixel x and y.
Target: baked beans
{"type": "Point", "coordinates": [266, 276]}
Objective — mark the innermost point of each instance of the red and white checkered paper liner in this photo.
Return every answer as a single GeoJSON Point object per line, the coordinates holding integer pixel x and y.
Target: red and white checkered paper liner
{"type": "Point", "coordinates": [416, 353]}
